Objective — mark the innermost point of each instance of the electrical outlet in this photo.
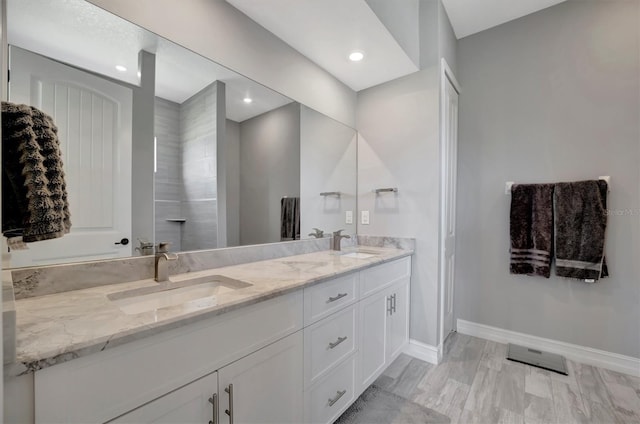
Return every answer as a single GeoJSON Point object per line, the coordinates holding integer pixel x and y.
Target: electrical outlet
{"type": "Point", "coordinates": [364, 218]}
{"type": "Point", "coordinates": [348, 219]}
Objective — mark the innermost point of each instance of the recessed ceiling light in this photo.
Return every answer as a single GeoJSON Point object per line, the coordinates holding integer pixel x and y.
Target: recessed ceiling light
{"type": "Point", "coordinates": [247, 100]}
{"type": "Point", "coordinates": [356, 56]}
{"type": "Point", "coordinates": [121, 68]}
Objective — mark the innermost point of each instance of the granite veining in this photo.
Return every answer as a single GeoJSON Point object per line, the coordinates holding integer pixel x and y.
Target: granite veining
{"type": "Point", "coordinates": [40, 281]}
{"type": "Point", "coordinates": [56, 328]}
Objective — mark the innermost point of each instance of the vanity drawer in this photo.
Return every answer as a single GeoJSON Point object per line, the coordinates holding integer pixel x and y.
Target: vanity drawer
{"type": "Point", "coordinates": [326, 298]}
{"type": "Point", "coordinates": [331, 396]}
{"type": "Point", "coordinates": [381, 276]}
{"type": "Point", "coordinates": [329, 341]}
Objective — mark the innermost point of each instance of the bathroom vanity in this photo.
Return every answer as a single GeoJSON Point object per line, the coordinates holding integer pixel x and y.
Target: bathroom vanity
{"type": "Point", "coordinates": [298, 341]}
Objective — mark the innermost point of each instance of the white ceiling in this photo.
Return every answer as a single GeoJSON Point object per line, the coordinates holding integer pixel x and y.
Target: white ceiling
{"type": "Point", "coordinates": [83, 35]}
{"type": "Point", "coordinates": [470, 16]}
{"type": "Point", "coordinates": [326, 31]}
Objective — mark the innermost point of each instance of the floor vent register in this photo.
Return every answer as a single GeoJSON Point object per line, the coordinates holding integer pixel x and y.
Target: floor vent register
{"type": "Point", "coordinates": [537, 358]}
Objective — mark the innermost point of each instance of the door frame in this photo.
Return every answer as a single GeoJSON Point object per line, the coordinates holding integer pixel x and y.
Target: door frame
{"type": "Point", "coordinates": [446, 74]}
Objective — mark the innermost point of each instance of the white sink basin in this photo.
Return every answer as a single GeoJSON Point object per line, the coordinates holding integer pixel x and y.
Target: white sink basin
{"type": "Point", "coordinates": [360, 254]}
{"type": "Point", "coordinates": [194, 294]}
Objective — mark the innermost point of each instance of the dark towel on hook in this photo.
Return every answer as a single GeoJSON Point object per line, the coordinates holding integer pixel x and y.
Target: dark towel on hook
{"type": "Point", "coordinates": [289, 218]}
{"type": "Point", "coordinates": [580, 225]}
{"type": "Point", "coordinates": [531, 229]}
{"type": "Point", "coordinates": [34, 204]}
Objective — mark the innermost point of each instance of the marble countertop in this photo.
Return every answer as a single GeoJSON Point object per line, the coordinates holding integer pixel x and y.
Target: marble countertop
{"type": "Point", "coordinates": [59, 327]}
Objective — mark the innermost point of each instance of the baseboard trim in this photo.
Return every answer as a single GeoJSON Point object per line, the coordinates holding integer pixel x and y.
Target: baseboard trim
{"type": "Point", "coordinates": [583, 354]}
{"type": "Point", "coordinates": [424, 352]}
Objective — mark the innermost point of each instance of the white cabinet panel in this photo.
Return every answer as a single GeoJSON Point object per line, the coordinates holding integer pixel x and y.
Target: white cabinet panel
{"type": "Point", "coordinates": [397, 320]}
{"type": "Point", "coordinates": [266, 386]}
{"type": "Point", "coordinates": [381, 276]}
{"type": "Point", "coordinates": [373, 338]}
{"type": "Point", "coordinates": [191, 404]}
{"type": "Point", "coordinates": [329, 341]}
{"type": "Point", "coordinates": [333, 394]}
{"type": "Point", "coordinates": [326, 298]}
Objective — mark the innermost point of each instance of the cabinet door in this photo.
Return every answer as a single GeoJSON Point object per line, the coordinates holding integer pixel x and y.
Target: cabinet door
{"type": "Point", "coordinates": [398, 320]}
{"type": "Point", "coordinates": [373, 337]}
{"type": "Point", "coordinates": [192, 403]}
{"type": "Point", "coordinates": [266, 386]}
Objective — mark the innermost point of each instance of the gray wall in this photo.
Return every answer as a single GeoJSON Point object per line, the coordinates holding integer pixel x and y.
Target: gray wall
{"type": "Point", "coordinates": [233, 183]}
{"type": "Point", "coordinates": [553, 96]}
{"type": "Point", "coordinates": [199, 170]}
{"type": "Point", "coordinates": [142, 202]}
{"type": "Point", "coordinates": [401, 18]}
{"type": "Point", "coordinates": [218, 31]}
{"type": "Point", "coordinates": [270, 169]}
{"type": "Point", "coordinates": [398, 146]}
{"type": "Point", "coordinates": [327, 163]}
{"type": "Point", "coordinates": [168, 176]}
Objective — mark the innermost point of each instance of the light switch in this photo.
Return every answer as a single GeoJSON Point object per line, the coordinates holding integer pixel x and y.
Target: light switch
{"type": "Point", "coordinates": [364, 218]}
{"type": "Point", "coordinates": [348, 219]}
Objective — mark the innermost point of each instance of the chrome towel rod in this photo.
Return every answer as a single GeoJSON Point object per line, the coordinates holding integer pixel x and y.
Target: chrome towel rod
{"type": "Point", "coordinates": [330, 193]}
{"type": "Point", "coordinates": [509, 184]}
{"type": "Point", "coordinates": [386, 190]}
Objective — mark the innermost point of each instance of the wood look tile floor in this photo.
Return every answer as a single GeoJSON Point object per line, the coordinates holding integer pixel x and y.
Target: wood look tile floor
{"type": "Point", "coordinates": [475, 383]}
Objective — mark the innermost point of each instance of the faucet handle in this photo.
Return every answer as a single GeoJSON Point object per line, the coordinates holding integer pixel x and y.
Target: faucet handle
{"type": "Point", "coordinates": [338, 233]}
{"type": "Point", "coordinates": [317, 233]}
{"type": "Point", "coordinates": [163, 246]}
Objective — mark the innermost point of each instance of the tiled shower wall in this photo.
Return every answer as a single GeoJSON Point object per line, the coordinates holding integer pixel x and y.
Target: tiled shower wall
{"type": "Point", "coordinates": [168, 176]}
{"type": "Point", "coordinates": [186, 171]}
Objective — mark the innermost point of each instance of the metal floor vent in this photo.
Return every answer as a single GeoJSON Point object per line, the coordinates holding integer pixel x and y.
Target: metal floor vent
{"type": "Point", "coordinates": [537, 358]}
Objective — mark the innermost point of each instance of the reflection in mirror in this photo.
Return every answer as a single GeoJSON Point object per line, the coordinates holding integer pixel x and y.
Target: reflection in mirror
{"type": "Point", "coordinates": [161, 144]}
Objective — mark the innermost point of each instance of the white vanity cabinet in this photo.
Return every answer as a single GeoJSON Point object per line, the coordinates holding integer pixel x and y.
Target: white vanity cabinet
{"type": "Point", "coordinates": [264, 387]}
{"type": "Point", "coordinates": [384, 318]}
{"type": "Point", "coordinates": [302, 357]}
{"type": "Point", "coordinates": [347, 348]}
{"type": "Point", "coordinates": [105, 385]}
{"type": "Point", "coordinates": [195, 403]}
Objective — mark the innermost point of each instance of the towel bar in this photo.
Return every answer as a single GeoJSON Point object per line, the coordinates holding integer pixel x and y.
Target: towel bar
{"type": "Point", "coordinates": [386, 190]}
{"type": "Point", "coordinates": [330, 193]}
{"type": "Point", "coordinates": [607, 178]}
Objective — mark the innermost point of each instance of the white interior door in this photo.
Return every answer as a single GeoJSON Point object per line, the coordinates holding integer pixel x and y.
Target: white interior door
{"type": "Point", "coordinates": [449, 158]}
{"type": "Point", "coordinates": [93, 116]}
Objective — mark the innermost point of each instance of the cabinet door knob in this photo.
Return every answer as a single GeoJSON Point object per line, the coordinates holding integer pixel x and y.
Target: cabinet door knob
{"type": "Point", "coordinates": [123, 241]}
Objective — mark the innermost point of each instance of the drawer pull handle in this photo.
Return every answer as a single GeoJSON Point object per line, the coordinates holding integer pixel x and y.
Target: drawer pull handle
{"type": "Point", "coordinates": [229, 411]}
{"type": "Point", "coordinates": [339, 296]}
{"type": "Point", "coordinates": [339, 394]}
{"type": "Point", "coordinates": [337, 342]}
{"type": "Point", "coordinates": [213, 400]}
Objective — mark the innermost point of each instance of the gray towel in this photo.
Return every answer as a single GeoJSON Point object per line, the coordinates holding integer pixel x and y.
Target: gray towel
{"type": "Point", "coordinates": [289, 218]}
{"type": "Point", "coordinates": [34, 204]}
{"type": "Point", "coordinates": [580, 224]}
{"type": "Point", "coordinates": [531, 229]}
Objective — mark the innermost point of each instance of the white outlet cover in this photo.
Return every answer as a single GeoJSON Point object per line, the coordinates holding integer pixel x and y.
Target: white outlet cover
{"type": "Point", "coordinates": [364, 218]}
{"type": "Point", "coordinates": [348, 219]}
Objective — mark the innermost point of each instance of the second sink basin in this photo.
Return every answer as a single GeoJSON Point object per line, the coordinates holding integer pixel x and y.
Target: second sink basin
{"type": "Point", "coordinates": [360, 254]}
{"type": "Point", "coordinates": [196, 293]}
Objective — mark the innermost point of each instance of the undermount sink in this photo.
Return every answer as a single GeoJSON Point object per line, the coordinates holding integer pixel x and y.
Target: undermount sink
{"type": "Point", "coordinates": [360, 254]}
{"type": "Point", "coordinates": [191, 294]}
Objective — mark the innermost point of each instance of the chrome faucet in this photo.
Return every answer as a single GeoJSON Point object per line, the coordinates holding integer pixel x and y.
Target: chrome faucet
{"type": "Point", "coordinates": [317, 233]}
{"type": "Point", "coordinates": [337, 238]}
{"type": "Point", "coordinates": [162, 256]}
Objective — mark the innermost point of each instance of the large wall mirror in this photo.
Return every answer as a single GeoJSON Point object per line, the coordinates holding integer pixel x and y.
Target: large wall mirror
{"type": "Point", "coordinates": [161, 144]}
